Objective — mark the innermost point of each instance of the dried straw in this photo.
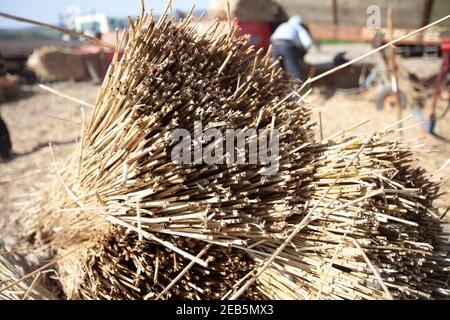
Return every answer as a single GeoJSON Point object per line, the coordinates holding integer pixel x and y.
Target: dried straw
{"type": "Point", "coordinates": [121, 178]}
{"type": "Point", "coordinates": [374, 236]}
{"type": "Point", "coordinates": [9, 86]}
{"type": "Point", "coordinates": [244, 10]}
{"type": "Point", "coordinates": [12, 268]}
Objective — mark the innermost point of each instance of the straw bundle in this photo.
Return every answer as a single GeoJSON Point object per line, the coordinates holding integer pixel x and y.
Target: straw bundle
{"type": "Point", "coordinates": [245, 10]}
{"type": "Point", "coordinates": [51, 63]}
{"type": "Point", "coordinates": [374, 235]}
{"type": "Point", "coordinates": [9, 86]}
{"type": "Point", "coordinates": [121, 213]}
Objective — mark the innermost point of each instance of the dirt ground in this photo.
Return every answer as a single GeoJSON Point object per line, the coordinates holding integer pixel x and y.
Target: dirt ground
{"type": "Point", "coordinates": [34, 120]}
{"type": "Point", "coordinates": [38, 117]}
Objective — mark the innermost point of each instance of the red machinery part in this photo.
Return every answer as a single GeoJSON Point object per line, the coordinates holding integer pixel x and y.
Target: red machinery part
{"type": "Point", "coordinates": [259, 32]}
{"type": "Point", "coordinates": [445, 44]}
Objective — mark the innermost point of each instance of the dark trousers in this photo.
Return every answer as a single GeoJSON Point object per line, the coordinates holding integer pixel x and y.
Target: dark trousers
{"type": "Point", "coordinates": [291, 57]}
{"type": "Point", "coordinates": [5, 141]}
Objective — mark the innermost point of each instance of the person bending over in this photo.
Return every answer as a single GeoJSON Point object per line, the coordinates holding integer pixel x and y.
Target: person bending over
{"type": "Point", "coordinates": [290, 42]}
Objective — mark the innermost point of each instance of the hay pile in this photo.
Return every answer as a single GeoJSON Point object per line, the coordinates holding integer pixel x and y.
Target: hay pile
{"type": "Point", "coordinates": [124, 164]}
{"type": "Point", "coordinates": [122, 174]}
{"type": "Point", "coordinates": [51, 63]}
{"type": "Point", "coordinates": [125, 220]}
{"type": "Point", "coordinates": [245, 10]}
{"type": "Point", "coordinates": [374, 235]}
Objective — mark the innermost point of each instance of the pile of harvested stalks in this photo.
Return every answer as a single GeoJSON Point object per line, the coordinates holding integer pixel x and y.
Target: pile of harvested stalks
{"type": "Point", "coordinates": [127, 222]}
{"type": "Point", "coordinates": [51, 63]}
{"type": "Point", "coordinates": [123, 174]}
{"type": "Point", "coordinates": [122, 267]}
{"type": "Point", "coordinates": [11, 271]}
{"type": "Point", "coordinates": [9, 86]}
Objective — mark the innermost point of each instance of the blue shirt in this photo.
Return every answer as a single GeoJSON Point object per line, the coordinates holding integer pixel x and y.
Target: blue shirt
{"type": "Point", "coordinates": [294, 32]}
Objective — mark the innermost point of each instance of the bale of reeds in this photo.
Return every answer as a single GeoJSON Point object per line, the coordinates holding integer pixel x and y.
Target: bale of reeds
{"type": "Point", "coordinates": [169, 77]}
{"type": "Point", "coordinates": [245, 10]}
{"type": "Point", "coordinates": [13, 267]}
{"type": "Point", "coordinates": [52, 63]}
{"type": "Point", "coordinates": [120, 206]}
{"type": "Point", "coordinates": [120, 266]}
{"type": "Point", "coordinates": [122, 174]}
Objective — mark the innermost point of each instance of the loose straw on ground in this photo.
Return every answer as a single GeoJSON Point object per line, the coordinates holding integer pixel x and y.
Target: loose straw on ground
{"type": "Point", "coordinates": [390, 43]}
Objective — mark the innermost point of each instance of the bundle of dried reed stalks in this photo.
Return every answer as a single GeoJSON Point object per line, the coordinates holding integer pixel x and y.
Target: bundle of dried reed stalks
{"type": "Point", "coordinates": [373, 234]}
{"type": "Point", "coordinates": [245, 10]}
{"type": "Point", "coordinates": [51, 63]}
{"type": "Point", "coordinates": [122, 174]}
{"type": "Point", "coordinates": [124, 218]}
